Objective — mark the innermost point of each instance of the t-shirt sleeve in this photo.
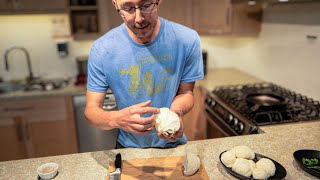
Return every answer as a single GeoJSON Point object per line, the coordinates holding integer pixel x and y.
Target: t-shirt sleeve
{"type": "Point", "coordinates": [193, 69]}
{"type": "Point", "coordinates": [96, 77]}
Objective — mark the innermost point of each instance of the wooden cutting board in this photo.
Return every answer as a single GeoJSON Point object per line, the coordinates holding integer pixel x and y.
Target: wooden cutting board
{"type": "Point", "coordinates": [156, 168]}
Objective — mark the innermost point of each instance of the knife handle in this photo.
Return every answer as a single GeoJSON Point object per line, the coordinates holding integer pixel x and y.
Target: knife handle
{"type": "Point", "coordinates": [118, 161]}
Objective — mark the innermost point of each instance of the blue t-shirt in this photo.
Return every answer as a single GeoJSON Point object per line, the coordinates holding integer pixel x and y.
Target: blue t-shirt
{"type": "Point", "coordinates": [140, 72]}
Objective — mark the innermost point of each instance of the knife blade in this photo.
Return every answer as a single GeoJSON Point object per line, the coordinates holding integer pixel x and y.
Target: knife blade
{"type": "Point", "coordinates": [116, 175]}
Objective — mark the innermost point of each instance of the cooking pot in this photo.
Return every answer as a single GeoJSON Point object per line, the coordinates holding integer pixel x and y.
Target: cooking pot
{"type": "Point", "coordinates": [265, 101]}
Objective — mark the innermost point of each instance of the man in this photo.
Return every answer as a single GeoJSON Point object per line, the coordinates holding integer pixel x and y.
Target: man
{"type": "Point", "coordinates": [149, 63]}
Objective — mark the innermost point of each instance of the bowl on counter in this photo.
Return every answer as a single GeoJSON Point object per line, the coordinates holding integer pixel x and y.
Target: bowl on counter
{"type": "Point", "coordinates": [48, 170]}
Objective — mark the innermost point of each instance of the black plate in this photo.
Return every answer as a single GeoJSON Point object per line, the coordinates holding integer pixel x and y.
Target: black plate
{"type": "Point", "coordinates": [298, 155]}
{"type": "Point", "coordinates": [279, 174]}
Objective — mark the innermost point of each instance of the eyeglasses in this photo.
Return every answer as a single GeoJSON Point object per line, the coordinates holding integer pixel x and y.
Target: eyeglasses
{"type": "Point", "coordinates": [145, 9]}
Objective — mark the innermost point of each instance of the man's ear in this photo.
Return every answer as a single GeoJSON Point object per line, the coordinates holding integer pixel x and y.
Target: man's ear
{"type": "Point", "coordinates": [114, 2]}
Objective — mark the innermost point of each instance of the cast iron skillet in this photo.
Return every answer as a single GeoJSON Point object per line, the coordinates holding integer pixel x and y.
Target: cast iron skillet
{"type": "Point", "coordinates": [280, 173]}
{"type": "Point", "coordinates": [260, 100]}
{"type": "Point", "coordinates": [305, 153]}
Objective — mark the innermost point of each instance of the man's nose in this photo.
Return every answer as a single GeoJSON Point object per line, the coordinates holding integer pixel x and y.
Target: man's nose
{"type": "Point", "coordinates": [139, 16]}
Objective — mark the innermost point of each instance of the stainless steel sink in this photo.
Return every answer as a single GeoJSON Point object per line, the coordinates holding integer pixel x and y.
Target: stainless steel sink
{"type": "Point", "coordinates": [6, 87]}
{"type": "Point", "coordinates": [39, 85]}
{"type": "Point", "coordinates": [46, 85]}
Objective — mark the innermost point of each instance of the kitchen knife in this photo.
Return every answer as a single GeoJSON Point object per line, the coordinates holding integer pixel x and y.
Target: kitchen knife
{"type": "Point", "coordinates": [116, 175]}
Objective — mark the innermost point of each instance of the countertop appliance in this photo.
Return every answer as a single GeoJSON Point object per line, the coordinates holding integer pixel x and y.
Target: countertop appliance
{"type": "Point", "coordinates": [89, 138]}
{"type": "Point", "coordinates": [241, 109]}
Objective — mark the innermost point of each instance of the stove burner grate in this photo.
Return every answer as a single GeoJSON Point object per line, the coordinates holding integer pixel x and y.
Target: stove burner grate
{"type": "Point", "coordinates": [296, 107]}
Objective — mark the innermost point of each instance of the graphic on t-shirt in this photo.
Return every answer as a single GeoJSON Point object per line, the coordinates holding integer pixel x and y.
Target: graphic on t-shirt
{"type": "Point", "coordinates": [146, 84]}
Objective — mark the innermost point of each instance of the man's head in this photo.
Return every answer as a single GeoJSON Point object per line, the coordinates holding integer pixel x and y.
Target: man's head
{"type": "Point", "coordinates": [141, 18]}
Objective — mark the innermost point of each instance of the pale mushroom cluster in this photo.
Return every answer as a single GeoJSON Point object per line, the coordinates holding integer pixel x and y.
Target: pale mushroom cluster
{"type": "Point", "coordinates": [167, 122]}
{"type": "Point", "coordinates": [240, 160]}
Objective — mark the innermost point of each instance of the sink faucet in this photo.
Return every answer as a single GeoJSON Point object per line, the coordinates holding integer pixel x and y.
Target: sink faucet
{"type": "Point", "coordinates": [6, 54]}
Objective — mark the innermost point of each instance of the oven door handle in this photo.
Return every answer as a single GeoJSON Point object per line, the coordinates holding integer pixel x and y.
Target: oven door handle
{"type": "Point", "coordinates": [212, 122]}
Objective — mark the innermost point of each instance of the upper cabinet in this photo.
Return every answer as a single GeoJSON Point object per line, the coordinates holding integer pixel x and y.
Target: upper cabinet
{"type": "Point", "coordinates": [221, 17]}
{"type": "Point", "coordinates": [179, 11]}
{"type": "Point", "coordinates": [246, 19]}
{"type": "Point", "coordinates": [89, 19]}
{"type": "Point", "coordinates": [32, 6]}
{"type": "Point", "coordinates": [214, 17]}
{"type": "Point", "coordinates": [84, 19]}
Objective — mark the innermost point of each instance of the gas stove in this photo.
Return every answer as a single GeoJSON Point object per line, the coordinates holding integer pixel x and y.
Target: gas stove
{"type": "Point", "coordinates": [238, 107]}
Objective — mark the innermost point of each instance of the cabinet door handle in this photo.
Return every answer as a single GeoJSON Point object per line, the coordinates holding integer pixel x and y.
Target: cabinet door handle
{"type": "Point", "coordinates": [27, 131]}
{"type": "Point", "coordinates": [228, 16]}
{"type": "Point", "coordinates": [9, 4]}
{"type": "Point", "coordinates": [19, 108]}
{"type": "Point", "coordinates": [19, 128]}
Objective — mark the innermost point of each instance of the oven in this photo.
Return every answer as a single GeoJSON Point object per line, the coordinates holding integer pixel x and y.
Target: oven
{"type": "Point", "coordinates": [221, 122]}
{"type": "Point", "coordinates": [242, 109]}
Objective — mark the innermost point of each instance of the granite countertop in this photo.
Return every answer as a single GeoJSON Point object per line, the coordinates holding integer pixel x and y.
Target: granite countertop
{"type": "Point", "coordinates": [226, 76]}
{"type": "Point", "coordinates": [278, 143]}
{"type": "Point", "coordinates": [70, 89]}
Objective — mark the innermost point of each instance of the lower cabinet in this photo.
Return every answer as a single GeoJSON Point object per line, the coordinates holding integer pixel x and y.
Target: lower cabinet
{"type": "Point", "coordinates": [195, 122]}
{"type": "Point", "coordinates": [37, 127]}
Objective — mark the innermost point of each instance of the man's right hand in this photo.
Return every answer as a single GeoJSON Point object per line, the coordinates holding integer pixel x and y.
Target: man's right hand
{"type": "Point", "coordinates": [131, 119]}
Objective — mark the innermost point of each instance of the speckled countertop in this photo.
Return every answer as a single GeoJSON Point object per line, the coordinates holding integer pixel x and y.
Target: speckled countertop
{"type": "Point", "coordinates": [278, 142]}
{"type": "Point", "coordinates": [226, 76]}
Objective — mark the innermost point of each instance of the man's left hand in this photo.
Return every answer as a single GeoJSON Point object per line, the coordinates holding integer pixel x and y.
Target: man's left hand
{"type": "Point", "coordinates": [173, 137]}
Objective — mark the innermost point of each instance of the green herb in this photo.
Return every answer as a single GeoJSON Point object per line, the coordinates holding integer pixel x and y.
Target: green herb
{"type": "Point", "coordinates": [312, 163]}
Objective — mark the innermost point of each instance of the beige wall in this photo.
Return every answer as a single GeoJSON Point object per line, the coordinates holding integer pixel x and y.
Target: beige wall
{"type": "Point", "coordinates": [34, 32]}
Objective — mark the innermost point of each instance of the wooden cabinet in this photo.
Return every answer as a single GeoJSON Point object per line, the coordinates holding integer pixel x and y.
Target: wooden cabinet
{"type": "Point", "coordinates": [37, 127]}
{"type": "Point", "coordinates": [212, 16]}
{"type": "Point", "coordinates": [179, 11]}
{"type": "Point", "coordinates": [220, 17]}
{"type": "Point", "coordinates": [84, 19]}
{"type": "Point", "coordinates": [32, 6]}
{"type": "Point", "coordinates": [195, 123]}
{"type": "Point", "coordinates": [113, 17]}
{"type": "Point", "coordinates": [91, 19]}
{"type": "Point", "coordinates": [11, 139]}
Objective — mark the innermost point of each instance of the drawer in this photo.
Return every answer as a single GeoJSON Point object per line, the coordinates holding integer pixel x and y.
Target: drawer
{"type": "Point", "coordinates": [49, 108]}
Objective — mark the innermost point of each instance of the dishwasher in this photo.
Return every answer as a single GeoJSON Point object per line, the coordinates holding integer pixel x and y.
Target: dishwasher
{"type": "Point", "coordinates": [90, 138]}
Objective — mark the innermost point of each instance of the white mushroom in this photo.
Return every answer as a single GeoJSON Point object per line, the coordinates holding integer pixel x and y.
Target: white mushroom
{"type": "Point", "coordinates": [228, 158]}
{"type": "Point", "coordinates": [267, 165]}
{"type": "Point", "coordinates": [260, 173]}
{"type": "Point", "coordinates": [242, 166]}
{"type": "Point", "coordinates": [167, 121]}
{"type": "Point", "coordinates": [243, 152]}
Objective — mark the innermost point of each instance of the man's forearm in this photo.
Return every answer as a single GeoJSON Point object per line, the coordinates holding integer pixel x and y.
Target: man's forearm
{"type": "Point", "coordinates": [182, 103]}
{"type": "Point", "coordinates": [100, 118]}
